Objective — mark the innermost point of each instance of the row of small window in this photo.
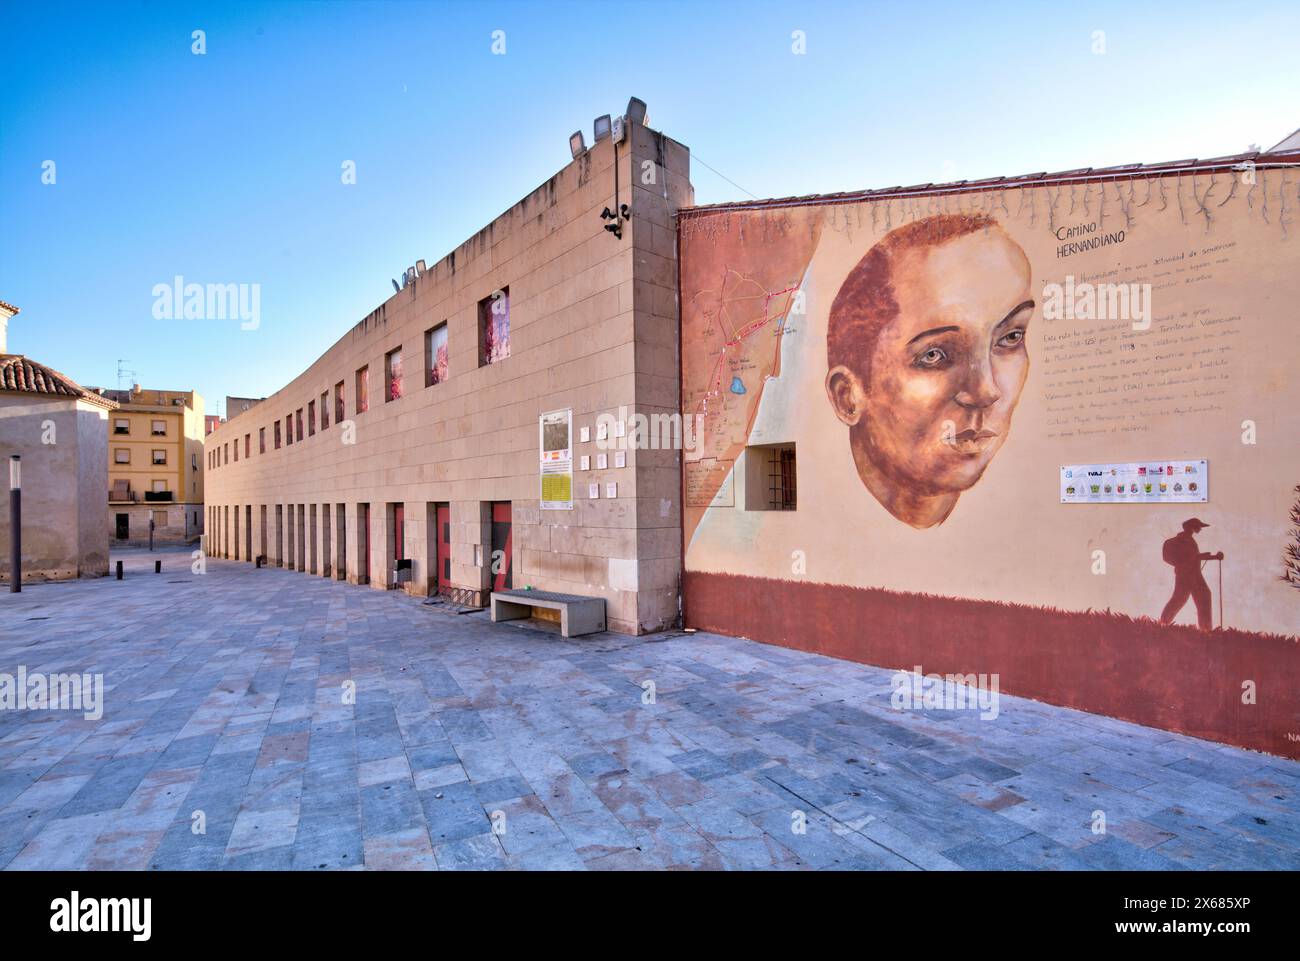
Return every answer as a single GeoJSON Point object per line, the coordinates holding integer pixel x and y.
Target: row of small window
{"type": "Point", "coordinates": [122, 455]}
{"type": "Point", "coordinates": [494, 346]}
{"type": "Point", "coordinates": [122, 425]}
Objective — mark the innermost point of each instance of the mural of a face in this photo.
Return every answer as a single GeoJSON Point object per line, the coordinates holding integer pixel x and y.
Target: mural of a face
{"type": "Point", "coordinates": [926, 343]}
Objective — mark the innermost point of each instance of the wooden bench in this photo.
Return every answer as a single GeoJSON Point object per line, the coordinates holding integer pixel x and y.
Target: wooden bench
{"type": "Point", "coordinates": [578, 614]}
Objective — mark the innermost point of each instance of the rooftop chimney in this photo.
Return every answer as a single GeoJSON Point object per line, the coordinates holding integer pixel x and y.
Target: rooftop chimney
{"type": "Point", "coordinates": [6, 311]}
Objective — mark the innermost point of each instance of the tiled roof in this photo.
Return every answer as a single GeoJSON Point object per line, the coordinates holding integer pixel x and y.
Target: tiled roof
{"type": "Point", "coordinates": [1080, 175]}
{"type": "Point", "coordinates": [9, 307]}
{"type": "Point", "coordinates": [25, 376]}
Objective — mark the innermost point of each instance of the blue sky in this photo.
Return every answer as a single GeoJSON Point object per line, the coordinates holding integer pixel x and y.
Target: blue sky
{"type": "Point", "coordinates": [225, 168]}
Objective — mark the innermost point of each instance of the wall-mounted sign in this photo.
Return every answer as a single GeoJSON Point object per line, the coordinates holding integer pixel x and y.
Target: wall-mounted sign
{"type": "Point", "coordinates": [555, 438]}
{"type": "Point", "coordinates": [1142, 482]}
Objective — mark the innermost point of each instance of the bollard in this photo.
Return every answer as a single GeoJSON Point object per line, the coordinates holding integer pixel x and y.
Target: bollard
{"type": "Point", "coordinates": [157, 567]}
{"type": "Point", "coordinates": [119, 570]}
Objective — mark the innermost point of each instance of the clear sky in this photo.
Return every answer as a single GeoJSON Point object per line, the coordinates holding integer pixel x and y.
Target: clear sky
{"type": "Point", "coordinates": [226, 167]}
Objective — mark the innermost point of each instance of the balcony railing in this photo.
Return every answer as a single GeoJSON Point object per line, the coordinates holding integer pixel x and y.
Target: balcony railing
{"type": "Point", "coordinates": [119, 496]}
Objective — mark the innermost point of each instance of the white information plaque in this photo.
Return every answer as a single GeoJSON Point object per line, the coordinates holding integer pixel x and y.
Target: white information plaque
{"type": "Point", "coordinates": [1139, 482]}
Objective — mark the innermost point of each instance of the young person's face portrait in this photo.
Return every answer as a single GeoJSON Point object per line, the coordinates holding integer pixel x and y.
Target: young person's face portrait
{"type": "Point", "coordinates": [929, 399]}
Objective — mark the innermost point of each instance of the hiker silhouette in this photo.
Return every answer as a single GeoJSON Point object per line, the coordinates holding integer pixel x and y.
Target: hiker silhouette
{"type": "Point", "coordinates": [1184, 555]}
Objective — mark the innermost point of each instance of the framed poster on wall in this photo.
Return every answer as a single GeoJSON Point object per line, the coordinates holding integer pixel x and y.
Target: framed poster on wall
{"type": "Point", "coordinates": [555, 442]}
{"type": "Point", "coordinates": [1146, 482]}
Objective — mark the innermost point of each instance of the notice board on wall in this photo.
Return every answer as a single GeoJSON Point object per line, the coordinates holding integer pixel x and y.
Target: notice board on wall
{"type": "Point", "coordinates": [555, 442]}
{"type": "Point", "coordinates": [1145, 482]}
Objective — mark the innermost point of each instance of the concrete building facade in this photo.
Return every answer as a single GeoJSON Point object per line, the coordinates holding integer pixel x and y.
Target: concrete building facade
{"type": "Point", "coordinates": [155, 465]}
{"type": "Point", "coordinates": [409, 454]}
{"type": "Point", "coordinates": [59, 430]}
{"type": "Point", "coordinates": [237, 405]}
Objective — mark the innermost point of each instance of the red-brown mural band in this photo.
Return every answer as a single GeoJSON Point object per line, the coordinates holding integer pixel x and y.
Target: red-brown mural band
{"type": "Point", "coordinates": [1174, 677]}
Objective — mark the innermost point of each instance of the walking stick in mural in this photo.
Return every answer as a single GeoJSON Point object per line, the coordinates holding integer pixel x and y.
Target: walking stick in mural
{"type": "Point", "coordinates": [1220, 590]}
{"type": "Point", "coordinates": [1183, 554]}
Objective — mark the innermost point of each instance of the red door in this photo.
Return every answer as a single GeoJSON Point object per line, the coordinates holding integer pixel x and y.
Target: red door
{"type": "Point", "coordinates": [443, 540]}
{"type": "Point", "coordinates": [363, 543]}
{"type": "Point", "coordinates": [501, 547]}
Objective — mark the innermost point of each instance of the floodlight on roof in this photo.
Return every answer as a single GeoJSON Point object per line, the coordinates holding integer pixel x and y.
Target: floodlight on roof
{"type": "Point", "coordinates": [601, 127]}
{"type": "Point", "coordinates": [636, 110]}
{"type": "Point", "coordinates": [576, 144]}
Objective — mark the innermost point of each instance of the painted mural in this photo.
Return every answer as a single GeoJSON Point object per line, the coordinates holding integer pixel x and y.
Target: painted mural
{"type": "Point", "coordinates": [932, 364]}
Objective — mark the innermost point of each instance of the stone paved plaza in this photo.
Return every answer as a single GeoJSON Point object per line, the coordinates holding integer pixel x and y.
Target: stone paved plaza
{"type": "Point", "coordinates": [224, 694]}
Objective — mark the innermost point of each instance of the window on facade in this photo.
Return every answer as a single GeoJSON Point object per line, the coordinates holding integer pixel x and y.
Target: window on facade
{"type": "Point", "coordinates": [298, 433]}
{"type": "Point", "coordinates": [393, 375]}
{"type": "Point", "coordinates": [494, 326]}
{"type": "Point", "coordinates": [338, 403]}
{"type": "Point", "coordinates": [781, 487]}
{"type": "Point", "coordinates": [363, 389]}
{"type": "Point", "coordinates": [159, 486]}
{"type": "Point", "coordinates": [121, 456]}
{"type": "Point", "coordinates": [311, 418]}
{"type": "Point", "coordinates": [159, 519]}
{"type": "Point", "coordinates": [261, 440]}
{"type": "Point", "coordinates": [248, 445]}
{"type": "Point", "coordinates": [435, 355]}
{"type": "Point", "coordinates": [194, 462]}
{"type": "Point", "coordinates": [121, 426]}
{"type": "Point", "coordinates": [160, 428]}
{"type": "Point", "coordinates": [288, 429]}
{"type": "Point", "coordinates": [277, 435]}
{"type": "Point", "coordinates": [324, 410]}
{"type": "Point", "coordinates": [236, 450]}
{"type": "Point", "coordinates": [770, 478]}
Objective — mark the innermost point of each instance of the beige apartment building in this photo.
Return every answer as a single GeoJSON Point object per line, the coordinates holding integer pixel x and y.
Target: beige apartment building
{"type": "Point", "coordinates": [471, 432]}
{"type": "Point", "coordinates": [155, 465]}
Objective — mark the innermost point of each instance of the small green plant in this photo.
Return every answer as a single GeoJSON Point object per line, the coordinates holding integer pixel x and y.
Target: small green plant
{"type": "Point", "coordinates": [1291, 555]}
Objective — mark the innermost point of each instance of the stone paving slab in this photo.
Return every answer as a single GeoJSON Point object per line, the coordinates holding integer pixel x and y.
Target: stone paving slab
{"type": "Point", "coordinates": [273, 720]}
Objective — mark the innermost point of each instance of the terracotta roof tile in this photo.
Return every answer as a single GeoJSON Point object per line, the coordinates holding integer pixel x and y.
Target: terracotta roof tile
{"type": "Point", "coordinates": [24, 375]}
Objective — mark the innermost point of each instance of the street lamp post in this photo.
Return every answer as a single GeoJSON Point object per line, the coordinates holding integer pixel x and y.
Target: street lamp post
{"type": "Point", "coordinates": [15, 523]}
